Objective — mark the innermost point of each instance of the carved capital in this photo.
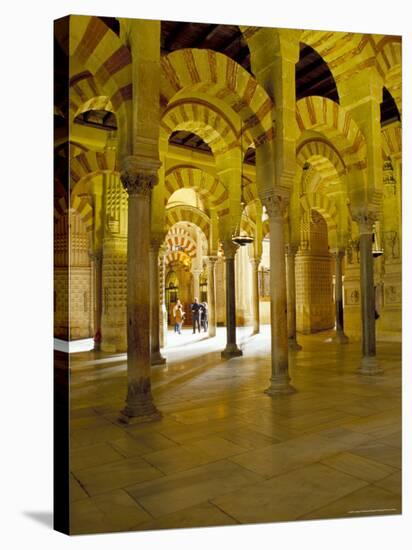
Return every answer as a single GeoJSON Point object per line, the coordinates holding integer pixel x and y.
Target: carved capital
{"type": "Point", "coordinates": [229, 249]}
{"type": "Point", "coordinates": [291, 249]}
{"type": "Point", "coordinates": [255, 262]}
{"type": "Point", "coordinates": [211, 260]}
{"type": "Point", "coordinates": [337, 252]}
{"type": "Point", "coordinates": [365, 222]}
{"type": "Point", "coordinates": [138, 178]}
{"type": "Point", "coordinates": [275, 205]}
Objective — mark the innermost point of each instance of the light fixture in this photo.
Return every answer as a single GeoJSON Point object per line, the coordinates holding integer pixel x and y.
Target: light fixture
{"type": "Point", "coordinates": [377, 249]}
{"type": "Point", "coordinates": [239, 238]}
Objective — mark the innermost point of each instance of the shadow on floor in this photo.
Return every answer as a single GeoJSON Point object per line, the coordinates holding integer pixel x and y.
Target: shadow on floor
{"type": "Point", "coordinates": [44, 518]}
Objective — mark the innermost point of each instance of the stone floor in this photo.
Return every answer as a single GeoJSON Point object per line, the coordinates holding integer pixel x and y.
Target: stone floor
{"type": "Point", "coordinates": [226, 453]}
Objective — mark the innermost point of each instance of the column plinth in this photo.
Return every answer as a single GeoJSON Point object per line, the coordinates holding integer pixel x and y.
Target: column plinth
{"type": "Point", "coordinates": [280, 382]}
{"type": "Point", "coordinates": [138, 183]}
{"type": "Point", "coordinates": [231, 349]}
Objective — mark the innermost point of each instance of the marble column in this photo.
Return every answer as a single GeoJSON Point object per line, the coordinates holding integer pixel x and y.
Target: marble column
{"type": "Point", "coordinates": [196, 283]}
{"type": "Point", "coordinates": [280, 382]}
{"type": "Point", "coordinates": [340, 336]}
{"type": "Point", "coordinates": [369, 364]}
{"type": "Point", "coordinates": [231, 350]}
{"type": "Point", "coordinates": [255, 262]}
{"type": "Point", "coordinates": [211, 294]}
{"type": "Point", "coordinates": [291, 297]}
{"type": "Point", "coordinates": [162, 297]}
{"type": "Point", "coordinates": [156, 358]}
{"type": "Point", "coordinates": [139, 401]}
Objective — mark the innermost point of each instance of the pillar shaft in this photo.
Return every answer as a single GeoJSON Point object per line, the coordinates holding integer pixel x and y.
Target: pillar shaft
{"type": "Point", "coordinates": [340, 333]}
{"type": "Point", "coordinates": [156, 357]}
{"type": "Point", "coordinates": [139, 401]}
{"type": "Point", "coordinates": [369, 363]}
{"type": "Point", "coordinates": [280, 379]}
{"type": "Point", "coordinates": [291, 297]}
{"type": "Point", "coordinates": [211, 294]}
{"type": "Point", "coordinates": [162, 299]}
{"type": "Point", "coordinates": [231, 349]}
{"type": "Point", "coordinates": [255, 294]}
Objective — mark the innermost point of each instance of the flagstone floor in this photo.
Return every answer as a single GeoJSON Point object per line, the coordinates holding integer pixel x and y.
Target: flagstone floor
{"type": "Point", "coordinates": [226, 453]}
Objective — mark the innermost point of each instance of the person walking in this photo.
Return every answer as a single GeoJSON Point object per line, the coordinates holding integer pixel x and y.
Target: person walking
{"type": "Point", "coordinates": [203, 316]}
{"type": "Point", "coordinates": [195, 307]}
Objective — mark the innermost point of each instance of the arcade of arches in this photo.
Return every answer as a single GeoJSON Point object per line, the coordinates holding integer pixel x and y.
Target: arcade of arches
{"type": "Point", "coordinates": [180, 146]}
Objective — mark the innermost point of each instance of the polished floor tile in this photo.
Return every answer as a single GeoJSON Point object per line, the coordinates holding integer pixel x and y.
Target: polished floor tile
{"type": "Point", "coordinates": [225, 452]}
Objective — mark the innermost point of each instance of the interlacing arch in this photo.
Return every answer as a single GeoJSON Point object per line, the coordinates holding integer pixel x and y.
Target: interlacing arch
{"type": "Point", "coordinates": [389, 59]}
{"type": "Point", "coordinates": [339, 48]}
{"type": "Point", "coordinates": [314, 150]}
{"type": "Point", "coordinates": [78, 204]}
{"type": "Point", "coordinates": [97, 48]}
{"type": "Point", "coordinates": [191, 70]}
{"type": "Point", "coordinates": [178, 256]}
{"type": "Point", "coordinates": [202, 119]}
{"type": "Point", "coordinates": [247, 225]}
{"type": "Point", "coordinates": [327, 208]}
{"type": "Point", "coordinates": [182, 240]}
{"type": "Point", "coordinates": [87, 165]}
{"type": "Point", "coordinates": [96, 103]}
{"type": "Point", "coordinates": [391, 140]}
{"type": "Point", "coordinates": [209, 187]}
{"type": "Point", "coordinates": [186, 213]}
{"type": "Point", "coordinates": [329, 119]}
{"type": "Point", "coordinates": [249, 190]}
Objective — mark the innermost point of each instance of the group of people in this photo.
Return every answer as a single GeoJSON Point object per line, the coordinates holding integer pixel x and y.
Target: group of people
{"type": "Point", "coordinates": [199, 316]}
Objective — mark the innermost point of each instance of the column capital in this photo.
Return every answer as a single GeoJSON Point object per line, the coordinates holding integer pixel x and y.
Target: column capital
{"type": "Point", "coordinates": [275, 204]}
{"type": "Point", "coordinates": [229, 249]}
{"type": "Point", "coordinates": [291, 249]}
{"type": "Point", "coordinates": [95, 255]}
{"type": "Point", "coordinates": [255, 261]}
{"type": "Point", "coordinates": [365, 222]}
{"type": "Point", "coordinates": [337, 252]}
{"type": "Point", "coordinates": [139, 176]}
{"type": "Point", "coordinates": [211, 260]}
{"type": "Point", "coordinates": [156, 242]}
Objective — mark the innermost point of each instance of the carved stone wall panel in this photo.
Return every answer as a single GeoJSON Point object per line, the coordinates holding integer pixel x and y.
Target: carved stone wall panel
{"type": "Point", "coordinates": [81, 311]}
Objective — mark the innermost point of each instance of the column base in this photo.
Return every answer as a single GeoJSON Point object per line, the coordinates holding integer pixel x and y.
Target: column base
{"type": "Point", "coordinates": [139, 404]}
{"type": "Point", "coordinates": [293, 345]}
{"type": "Point", "coordinates": [157, 359]}
{"type": "Point", "coordinates": [340, 338]}
{"type": "Point", "coordinates": [255, 331]}
{"type": "Point", "coordinates": [212, 332]}
{"type": "Point", "coordinates": [370, 366]}
{"type": "Point", "coordinates": [230, 351]}
{"type": "Point", "coordinates": [280, 385]}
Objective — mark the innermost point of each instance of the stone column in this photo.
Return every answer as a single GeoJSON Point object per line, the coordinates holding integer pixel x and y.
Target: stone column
{"type": "Point", "coordinates": [255, 294]}
{"type": "Point", "coordinates": [340, 336]}
{"type": "Point", "coordinates": [162, 298]}
{"type": "Point", "coordinates": [156, 358]}
{"type": "Point", "coordinates": [280, 379]}
{"type": "Point", "coordinates": [196, 285]}
{"type": "Point", "coordinates": [96, 264]}
{"type": "Point", "coordinates": [291, 297]}
{"type": "Point", "coordinates": [138, 183]}
{"type": "Point", "coordinates": [211, 294]}
{"type": "Point", "coordinates": [369, 365]}
{"type": "Point", "coordinates": [231, 349]}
